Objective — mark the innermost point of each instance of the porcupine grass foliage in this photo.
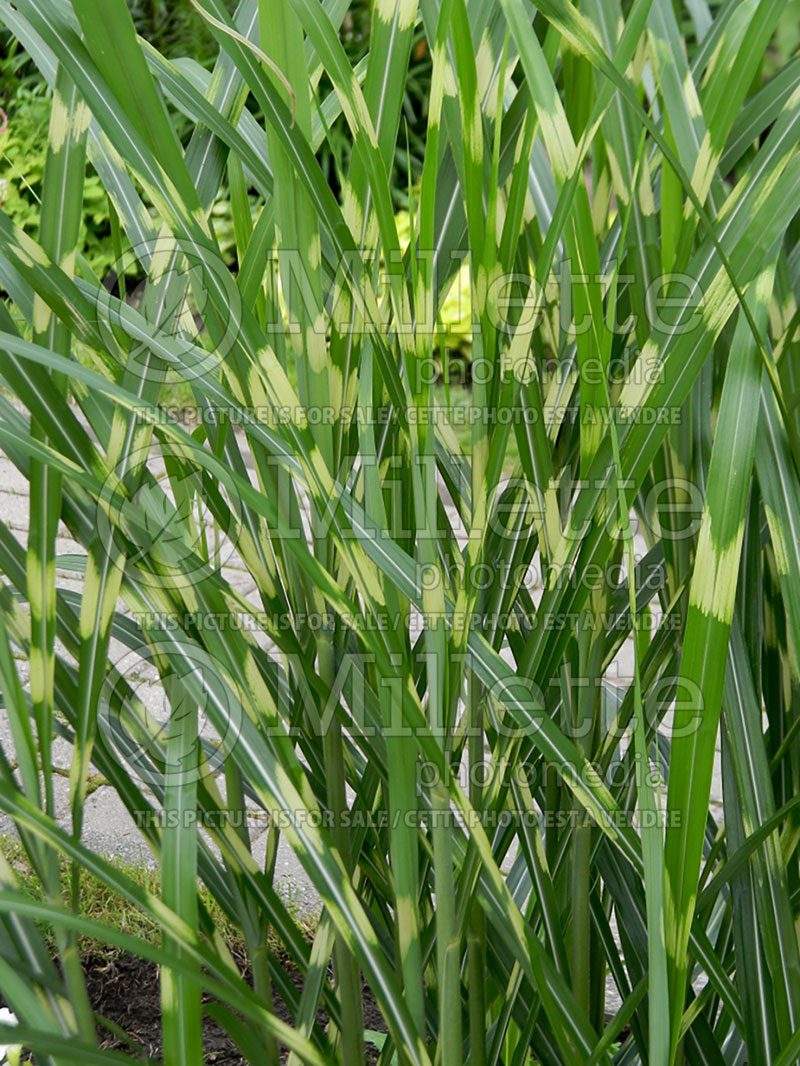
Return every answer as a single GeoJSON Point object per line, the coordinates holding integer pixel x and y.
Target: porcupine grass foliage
{"type": "Point", "coordinates": [479, 682]}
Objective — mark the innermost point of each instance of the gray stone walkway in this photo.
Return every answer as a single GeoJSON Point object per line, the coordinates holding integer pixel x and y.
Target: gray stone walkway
{"type": "Point", "coordinates": [108, 828]}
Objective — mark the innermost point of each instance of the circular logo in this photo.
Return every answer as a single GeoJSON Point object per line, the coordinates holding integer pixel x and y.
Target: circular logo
{"type": "Point", "coordinates": [168, 518]}
{"type": "Point", "coordinates": [181, 309]}
{"type": "Point", "coordinates": [173, 724]}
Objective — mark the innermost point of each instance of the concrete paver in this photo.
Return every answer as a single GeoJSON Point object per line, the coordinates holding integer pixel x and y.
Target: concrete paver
{"type": "Point", "coordinates": [109, 828]}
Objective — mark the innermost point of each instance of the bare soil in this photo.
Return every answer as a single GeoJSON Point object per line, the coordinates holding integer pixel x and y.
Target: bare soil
{"type": "Point", "coordinates": [124, 990]}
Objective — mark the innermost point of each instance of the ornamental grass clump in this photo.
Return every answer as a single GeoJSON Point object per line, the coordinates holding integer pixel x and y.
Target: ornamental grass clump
{"type": "Point", "coordinates": [479, 673]}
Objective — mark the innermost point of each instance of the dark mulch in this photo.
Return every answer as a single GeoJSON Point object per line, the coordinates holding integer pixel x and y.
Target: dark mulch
{"type": "Point", "coordinates": [125, 990]}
